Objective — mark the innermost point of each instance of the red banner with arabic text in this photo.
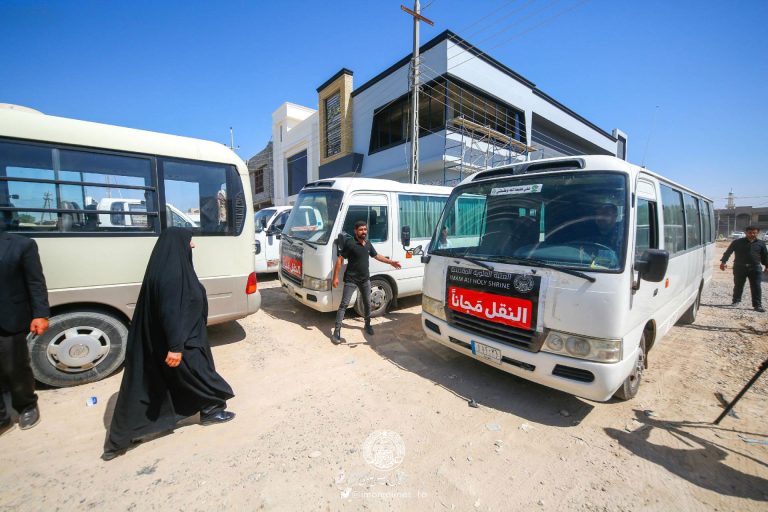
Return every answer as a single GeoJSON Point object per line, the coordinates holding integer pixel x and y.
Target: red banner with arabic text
{"type": "Point", "coordinates": [292, 266]}
{"type": "Point", "coordinates": [511, 311]}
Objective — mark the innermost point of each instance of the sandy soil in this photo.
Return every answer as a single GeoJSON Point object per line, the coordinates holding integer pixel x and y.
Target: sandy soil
{"type": "Point", "coordinates": [306, 408]}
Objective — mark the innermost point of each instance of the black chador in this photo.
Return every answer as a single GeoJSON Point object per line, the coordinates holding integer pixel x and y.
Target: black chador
{"type": "Point", "coordinates": [170, 319]}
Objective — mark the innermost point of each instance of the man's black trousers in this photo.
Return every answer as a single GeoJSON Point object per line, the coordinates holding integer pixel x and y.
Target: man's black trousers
{"type": "Point", "coordinates": [740, 274]}
{"type": "Point", "coordinates": [16, 373]}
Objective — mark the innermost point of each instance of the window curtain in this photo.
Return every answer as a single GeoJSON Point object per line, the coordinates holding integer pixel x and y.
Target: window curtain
{"type": "Point", "coordinates": [469, 215]}
{"type": "Point", "coordinates": [421, 213]}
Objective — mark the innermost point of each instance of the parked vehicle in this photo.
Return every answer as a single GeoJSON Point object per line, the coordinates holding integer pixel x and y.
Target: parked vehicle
{"type": "Point", "coordinates": [327, 208]}
{"type": "Point", "coordinates": [269, 224]}
{"type": "Point", "coordinates": [95, 198]}
{"type": "Point", "coordinates": [137, 217]}
{"type": "Point", "coordinates": [566, 272]}
{"type": "Point", "coordinates": [737, 234]}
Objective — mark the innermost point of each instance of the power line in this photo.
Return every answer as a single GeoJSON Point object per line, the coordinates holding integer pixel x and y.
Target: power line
{"type": "Point", "coordinates": [542, 23]}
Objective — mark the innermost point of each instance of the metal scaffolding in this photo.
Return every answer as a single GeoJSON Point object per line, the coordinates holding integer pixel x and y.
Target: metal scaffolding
{"type": "Point", "coordinates": [471, 147]}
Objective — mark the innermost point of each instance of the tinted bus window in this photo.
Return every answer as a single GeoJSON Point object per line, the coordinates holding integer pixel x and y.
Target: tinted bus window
{"type": "Point", "coordinates": [674, 220]}
{"type": "Point", "coordinates": [210, 189]}
{"type": "Point", "coordinates": [692, 222]}
{"type": "Point", "coordinates": [374, 216]}
{"type": "Point", "coordinates": [646, 235]}
{"type": "Point", "coordinates": [706, 222]}
{"type": "Point", "coordinates": [71, 188]}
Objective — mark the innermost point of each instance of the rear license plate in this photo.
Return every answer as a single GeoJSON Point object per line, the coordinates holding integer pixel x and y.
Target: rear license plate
{"type": "Point", "coordinates": [486, 352]}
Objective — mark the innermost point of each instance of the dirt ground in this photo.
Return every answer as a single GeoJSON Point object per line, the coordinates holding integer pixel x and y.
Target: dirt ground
{"type": "Point", "coordinates": [383, 423]}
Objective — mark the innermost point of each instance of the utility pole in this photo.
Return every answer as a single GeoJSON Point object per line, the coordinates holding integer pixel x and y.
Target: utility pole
{"type": "Point", "coordinates": [417, 17]}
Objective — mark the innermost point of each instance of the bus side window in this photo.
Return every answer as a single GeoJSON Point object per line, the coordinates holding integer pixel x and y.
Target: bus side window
{"type": "Point", "coordinates": [647, 230]}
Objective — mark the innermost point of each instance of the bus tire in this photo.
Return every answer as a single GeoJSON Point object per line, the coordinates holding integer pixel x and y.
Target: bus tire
{"type": "Point", "coordinates": [78, 347]}
{"type": "Point", "coordinates": [690, 314]}
{"type": "Point", "coordinates": [631, 384]}
{"type": "Point", "coordinates": [381, 298]}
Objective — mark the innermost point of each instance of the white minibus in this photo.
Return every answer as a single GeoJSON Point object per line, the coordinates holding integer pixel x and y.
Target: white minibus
{"type": "Point", "coordinates": [567, 271]}
{"type": "Point", "coordinates": [327, 208]}
{"type": "Point", "coordinates": [95, 198]}
{"type": "Point", "coordinates": [269, 223]}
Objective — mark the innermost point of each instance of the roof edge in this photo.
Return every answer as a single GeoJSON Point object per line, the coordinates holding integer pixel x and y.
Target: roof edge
{"type": "Point", "coordinates": [341, 72]}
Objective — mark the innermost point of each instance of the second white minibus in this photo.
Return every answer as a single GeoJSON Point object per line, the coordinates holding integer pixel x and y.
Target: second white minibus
{"type": "Point", "coordinates": [566, 272]}
{"type": "Point", "coordinates": [326, 208]}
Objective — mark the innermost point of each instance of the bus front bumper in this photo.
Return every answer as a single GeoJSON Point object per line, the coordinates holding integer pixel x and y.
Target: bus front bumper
{"type": "Point", "coordinates": [587, 379]}
{"type": "Point", "coordinates": [320, 301]}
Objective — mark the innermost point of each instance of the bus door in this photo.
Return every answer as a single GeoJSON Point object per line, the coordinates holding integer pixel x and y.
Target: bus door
{"type": "Point", "coordinates": [649, 296]}
{"type": "Point", "coordinates": [373, 208]}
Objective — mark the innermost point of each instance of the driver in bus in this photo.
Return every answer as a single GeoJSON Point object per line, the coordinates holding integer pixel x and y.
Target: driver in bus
{"type": "Point", "coordinates": [606, 231]}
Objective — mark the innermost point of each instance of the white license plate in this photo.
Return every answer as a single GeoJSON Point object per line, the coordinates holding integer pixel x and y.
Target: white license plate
{"type": "Point", "coordinates": [486, 352]}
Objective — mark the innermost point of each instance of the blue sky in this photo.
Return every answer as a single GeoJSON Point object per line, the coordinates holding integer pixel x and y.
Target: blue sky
{"type": "Point", "coordinates": [196, 68]}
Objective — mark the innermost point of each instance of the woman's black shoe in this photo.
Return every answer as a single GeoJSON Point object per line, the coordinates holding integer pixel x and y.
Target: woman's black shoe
{"type": "Point", "coordinates": [220, 416]}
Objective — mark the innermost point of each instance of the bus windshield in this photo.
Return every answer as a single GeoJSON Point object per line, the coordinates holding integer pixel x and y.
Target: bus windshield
{"type": "Point", "coordinates": [573, 220]}
{"type": "Point", "coordinates": [313, 215]}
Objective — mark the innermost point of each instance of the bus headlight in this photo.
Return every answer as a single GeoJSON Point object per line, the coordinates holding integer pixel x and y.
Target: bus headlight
{"type": "Point", "coordinates": [582, 347]}
{"type": "Point", "coordinates": [313, 283]}
{"type": "Point", "coordinates": [433, 306]}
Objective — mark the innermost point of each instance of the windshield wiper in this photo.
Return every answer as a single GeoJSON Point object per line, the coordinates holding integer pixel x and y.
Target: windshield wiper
{"type": "Point", "coordinates": [291, 237]}
{"type": "Point", "coordinates": [469, 259]}
{"type": "Point", "coordinates": [543, 264]}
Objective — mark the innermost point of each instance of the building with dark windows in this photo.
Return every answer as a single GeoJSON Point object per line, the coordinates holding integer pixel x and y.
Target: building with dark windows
{"type": "Point", "coordinates": [261, 175]}
{"type": "Point", "coordinates": [474, 113]}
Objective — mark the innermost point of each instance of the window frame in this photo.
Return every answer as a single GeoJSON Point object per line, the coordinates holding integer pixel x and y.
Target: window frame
{"type": "Point", "coordinates": [336, 120]}
{"type": "Point", "coordinates": [295, 157]}
{"type": "Point", "coordinates": [368, 208]}
{"type": "Point", "coordinates": [51, 146]}
{"type": "Point", "coordinates": [231, 214]}
{"type": "Point", "coordinates": [436, 197]}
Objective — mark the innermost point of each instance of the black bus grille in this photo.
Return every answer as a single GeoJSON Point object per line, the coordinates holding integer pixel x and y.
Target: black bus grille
{"type": "Point", "coordinates": [516, 337]}
{"type": "Point", "coordinates": [290, 277]}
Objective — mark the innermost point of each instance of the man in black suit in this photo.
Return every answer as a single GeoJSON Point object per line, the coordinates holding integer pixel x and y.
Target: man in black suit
{"type": "Point", "coordinates": [23, 309]}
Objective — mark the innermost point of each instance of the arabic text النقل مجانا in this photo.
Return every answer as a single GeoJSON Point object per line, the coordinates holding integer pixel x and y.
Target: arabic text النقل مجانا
{"type": "Point", "coordinates": [497, 311]}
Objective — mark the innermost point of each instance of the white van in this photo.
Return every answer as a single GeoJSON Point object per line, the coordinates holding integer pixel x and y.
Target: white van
{"type": "Point", "coordinates": [137, 216]}
{"type": "Point", "coordinates": [269, 223]}
{"type": "Point", "coordinates": [566, 272]}
{"type": "Point", "coordinates": [326, 208]}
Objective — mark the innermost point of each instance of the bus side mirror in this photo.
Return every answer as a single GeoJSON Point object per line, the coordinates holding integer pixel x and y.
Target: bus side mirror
{"type": "Point", "coordinates": [652, 265]}
{"type": "Point", "coordinates": [405, 236]}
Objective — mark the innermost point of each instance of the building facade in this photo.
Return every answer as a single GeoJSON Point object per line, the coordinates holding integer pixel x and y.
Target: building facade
{"type": "Point", "coordinates": [261, 175]}
{"type": "Point", "coordinates": [474, 113]}
{"type": "Point", "coordinates": [737, 218]}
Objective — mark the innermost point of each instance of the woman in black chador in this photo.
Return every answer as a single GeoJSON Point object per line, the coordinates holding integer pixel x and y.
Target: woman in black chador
{"type": "Point", "coordinates": [169, 372]}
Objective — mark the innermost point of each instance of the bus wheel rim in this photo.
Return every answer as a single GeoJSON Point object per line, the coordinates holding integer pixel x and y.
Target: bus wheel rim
{"type": "Point", "coordinates": [78, 349]}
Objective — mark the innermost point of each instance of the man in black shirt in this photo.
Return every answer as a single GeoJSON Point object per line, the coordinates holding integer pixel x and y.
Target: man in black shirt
{"type": "Point", "coordinates": [357, 276]}
{"type": "Point", "coordinates": [750, 254]}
